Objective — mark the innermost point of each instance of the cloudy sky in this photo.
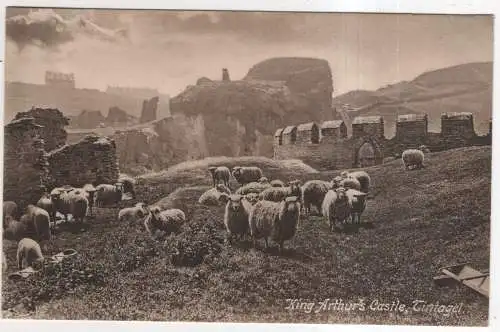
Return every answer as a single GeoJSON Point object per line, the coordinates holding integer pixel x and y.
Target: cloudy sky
{"type": "Point", "coordinates": [168, 50]}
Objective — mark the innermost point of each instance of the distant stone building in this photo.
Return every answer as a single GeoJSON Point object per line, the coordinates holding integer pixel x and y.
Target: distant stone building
{"type": "Point", "coordinates": [225, 75]}
{"type": "Point", "coordinates": [457, 129]}
{"type": "Point", "coordinates": [333, 130]}
{"type": "Point", "coordinates": [278, 137]}
{"type": "Point", "coordinates": [308, 133]}
{"type": "Point", "coordinates": [60, 80]}
{"type": "Point", "coordinates": [117, 116]}
{"type": "Point", "coordinates": [25, 162]}
{"type": "Point", "coordinates": [91, 160]}
{"type": "Point", "coordinates": [149, 110]}
{"type": "Point", "coordinates": [52, 121]}
{"type": "Point", "coordinates": [372, 126]}
{"type": "Point", "coordinates": [289, 135]}
{"type": "Point", "coordinates": [412, 128]}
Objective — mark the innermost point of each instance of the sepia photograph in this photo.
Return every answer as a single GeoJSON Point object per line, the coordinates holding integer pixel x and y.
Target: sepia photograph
{"type": "Point", "coordinates": [247, 166]}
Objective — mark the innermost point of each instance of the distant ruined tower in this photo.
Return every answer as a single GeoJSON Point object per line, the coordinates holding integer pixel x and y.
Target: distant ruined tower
{"type": "Point", "coordinates": [149, 109]}
{"type": "Point", "coordinates": [225, 75]}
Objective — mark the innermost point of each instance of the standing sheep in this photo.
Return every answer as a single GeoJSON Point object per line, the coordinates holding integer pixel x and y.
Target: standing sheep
{"type": "Point", "coordinates": [278, 221]}
{"type": "Point", "coordinates": [16, 230]}
{"type": "Point", "coordinates": [277, 183]}
{"type": "Point", "coordinates": [357, 202]}
{"type": "Point", "coordinates": [223, 174]}
{"type": "Point", "coordinates": [107, 194]}
{"type": "Point", "coordinates": [167, 221]}
{"type": "Point", "coordinates": [277, 194]}
{"type": "Point", "coordinates": [236, 216]}
{"type": "Point", "coordinates": [247, 174]}
{"type": "Point", "coordinates": [413, 159]}
{"type": "Point", "coordinates": [46, 203]}
{"type": "Point", "coordinates": [313, 193]}
{"type": "Point", "coordinates": [363, 179]}
{"type": "Point", "coordinates": [336, 207]}
{"type": "Point", "coordinates": [90, 189]}
{"type": "Point", "coordinates": [29, 254]}
{"type": "Point", "coordinates": [39, 222]}
{"type": "Point", "coordinates": [70, 203]}
{"type": "Point", "coordinates": [133, 214]}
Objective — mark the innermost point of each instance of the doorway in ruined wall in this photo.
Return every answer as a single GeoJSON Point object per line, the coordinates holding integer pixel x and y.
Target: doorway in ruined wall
{"type": "Point", "coordinates": [367, 153]}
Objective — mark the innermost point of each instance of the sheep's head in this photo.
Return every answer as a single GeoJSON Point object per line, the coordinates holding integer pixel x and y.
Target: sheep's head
{"type": "Point", "coordinates": [235, 202]}
{"type": "Point", "coordinates": [223, 198]}
{"type": "Point", "coordinates": [341, 193]}
{"type": "Point", "coordinates": [295, 187]}
{"type": "Point", "coordinates": [119, 186]}
{"type": "Point", "coordinates": [38, 263]}
{"type": "Point", "coordinates": [263, 180]}
{"type": "Point", "coordinates": [252, 198]}
{"type": "Point", "coordinates": [235, 171]}
{"type": "Point", "coordinates": [155, 210]}
{"type": "Point", "coordinates": [336, 182]}
{"type": "Point", "coordinates": [292, 204]}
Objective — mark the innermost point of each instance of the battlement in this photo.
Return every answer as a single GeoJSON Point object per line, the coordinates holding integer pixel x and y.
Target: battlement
{"type": "Point", "coordinates": [328, 145]}
{"type": "Point", "coordinates": [64, 80]}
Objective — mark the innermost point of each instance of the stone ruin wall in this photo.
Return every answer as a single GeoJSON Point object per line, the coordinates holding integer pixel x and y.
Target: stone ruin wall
{"type": "Point", "coordinates": [337, 153]}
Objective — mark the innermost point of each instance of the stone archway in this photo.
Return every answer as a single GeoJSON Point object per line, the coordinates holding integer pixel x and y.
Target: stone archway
{"type": "Point", "coordinates": [367, 152]}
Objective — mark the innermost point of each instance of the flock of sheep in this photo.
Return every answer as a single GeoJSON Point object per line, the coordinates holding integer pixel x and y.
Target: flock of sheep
{"type": "Point", "coordinates": [259, 208]}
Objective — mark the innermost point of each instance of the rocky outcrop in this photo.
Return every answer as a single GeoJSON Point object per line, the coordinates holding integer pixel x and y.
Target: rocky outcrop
{"type": "Point", "coordinates": [52, 121]}
{"type": "Point", "coordinates": [118, 117]}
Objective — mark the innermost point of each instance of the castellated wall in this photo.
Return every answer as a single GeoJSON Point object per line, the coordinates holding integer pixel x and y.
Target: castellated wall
{"type": "Point", "coordinates": [367, 146]}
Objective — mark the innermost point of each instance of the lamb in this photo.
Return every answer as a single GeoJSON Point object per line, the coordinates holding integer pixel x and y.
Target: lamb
{"type": "Point", "coordinates": [247, 174]}
{"type": "Point", "coordinates": [236, 216]}
{"type": "Point", "coordinates": [108, 194]}
{"type": "Point", "coordinates": [413, 159]}
{"type": "Point", "coordinates": [212, 195]}
{"type": "Point", "coordinates": [133, 214]}
{"type": "Point", "coordinates": [71, 203]}
{"type": "Point", "coordinates": [277, 183]}
{"type": "Point", "coordinates": [357, 202]}
{"type": "Point", "coordinates": [167, 221]}
{"type": "Point", "coordinates": [277, 194]}
{"type": "Point", "coordinates": [252, 187]}
{"type": "Point", "coordinates": [29, 254]}
{"type": "Point", "coordinates": [252, 198]}
{"type": "Point", "coordinates": [223, 174]}
{"type": "Point", "coordinates": [39, 222]}
{"type": "Point", "coordinates": [336, 207]}
{"type": "Point", "coordinates": [128, 184]}
{"type": "Point", "coordinates": [313, 193]}
{"type": "Point", "coordinates": [363, 179]}
{"type": "Point", "coordinates": [15, 230]}
{"type": "Point", "coordinates": [279, 221]}
{"type": "Point", "coordinates": [46, 203]}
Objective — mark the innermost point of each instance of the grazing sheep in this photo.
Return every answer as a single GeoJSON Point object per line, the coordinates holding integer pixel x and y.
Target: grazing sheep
{"type": "Point", "coordinates": [46, 203]}
{"type": "Point", "coordinates": [252, 198]}
{"type": "Point", "coordinates": [133, 214]}
{"type": "Point", "coordinates": [252, 187]}
{"type": "Point", "coordinates": [167, 221]}
{"type": "Point", "coordinates": [223, 174]}
{"type": "Point", "coordinates": [247, 174]}
{"type": "Point", "coordinates": [363, 179]}
{"type": "Point", "coordinates": [336, 207]}
{"type": "Point", "coordinates": [236, 216]}
{"type": "Point", "coordinates": [10, 209]}
{"type": "Point", "coordinates": [413, 159]}
{"type": "Point", "coordinates": [71, 203]}
{"type": "Point", "coordinates": [212, 169]}
{"type": "Point", "coordinates": [16, 230]}
{"type": "Point", "coordinates": [128, 184]}
{"type": "Point", "coordinates": [279, 221]}
{"type": "Point", "coordinates": [212, 195]}
{"type": "Point", "coordinates": [39, 222]}
{"type": "Point", "coordinates": [313, 193]}
{"type": "Point", "coordinates": [107, 194]}
{"type": "Point", "coordinates": [4, 262]}
{"type": "Point", "coordinates": [357, 202]}
{"type": "Point", "coordinates": [277, 194]}
{"type": "Point", "coordinates": [29, 253]}
{"type": "Point", "coordinates": [277, 183]}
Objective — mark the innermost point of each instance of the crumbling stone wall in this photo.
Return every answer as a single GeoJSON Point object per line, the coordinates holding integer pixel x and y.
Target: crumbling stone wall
{"type": "Point", "coordinates": [149, 110]}
{"type": "Point", "coordinates": [91, 160]}
{"type": "Point", "coordinates": [52, 121]}
{"type": "Point", "coordinates": [25, 162]}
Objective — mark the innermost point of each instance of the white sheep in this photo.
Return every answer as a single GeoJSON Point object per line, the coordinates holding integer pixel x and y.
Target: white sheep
{"type": "Point", "coordinates": [166, 221]}
{"type": "Point", "coordinates": [277, 194]}
{"type": "Point", "coordinates": [253, 187]}
{"type": "Point", "coordinates": [108, 194]}
{"type": "Point", "coordinates": [222, 174]}
{"type": "Point", "coordinates": [46, 203]}
{"type": "Point", "coordinates": [29, 254]}
{"type": "Point", "coordinates": [363, 179]}
{"type": "Point", "coordinates": [313, 192]}
{"type": "Point", "coordinates": [277, 183]}
{"type": "Point", "coordinates": [213, 195]}
{"type": "Point", "coordinates": [278, 221]}
{"type": "Point", "coordinates": [70, 203]}
{"type": "Point", "coordinates": [133, 214]}
{"type": "Point", "coordinates": [336, 207]}
{"type": "Point", "coordinates": [357, 203]}
{"type": "Point", "coordinates": [39, 222]}
{"type": "Point", "coordinates": [413, 159]}
{"type": "Point", "coordinates": [236, 216]}
{"type": "Point", "coordinates": [247, 174]}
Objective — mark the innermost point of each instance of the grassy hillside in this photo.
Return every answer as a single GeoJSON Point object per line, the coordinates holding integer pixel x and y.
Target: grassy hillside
{"type": "Point", "coordinates": [423, 220]}
{"type": "Point", "coordinates": [461, 88]}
